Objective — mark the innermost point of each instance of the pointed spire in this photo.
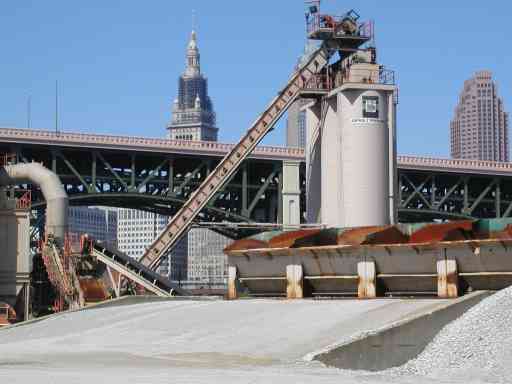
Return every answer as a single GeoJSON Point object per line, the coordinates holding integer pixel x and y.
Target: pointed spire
{"type": "Point", "coordinates": [193, 58]}
{"type": "Point", "coordinates": [192, 44]}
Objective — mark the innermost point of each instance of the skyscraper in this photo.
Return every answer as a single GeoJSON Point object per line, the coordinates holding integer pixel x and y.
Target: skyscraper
{"type": "Point", "coordinates": [296, 120]}
{"type": "Point", "coordinates": [296, 125]}
{"type": "Point", "coordinates": [193, 117]}
{"type": "Point", "coordinates": [479, 129]}
{"type": "Point", "coordinates": [99, 223]}
{"type": "Point", "coordinates": [136, 230]}
{"type": "Point", "coordinates": [198, 258]}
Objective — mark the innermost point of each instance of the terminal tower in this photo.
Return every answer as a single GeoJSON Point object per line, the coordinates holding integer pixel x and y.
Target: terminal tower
{"type": "Point", "coordinates": [193, 117]}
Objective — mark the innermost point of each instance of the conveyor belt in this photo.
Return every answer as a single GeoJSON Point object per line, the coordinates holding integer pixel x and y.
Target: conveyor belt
{"type": "Point", "coordinates": [135, 271]}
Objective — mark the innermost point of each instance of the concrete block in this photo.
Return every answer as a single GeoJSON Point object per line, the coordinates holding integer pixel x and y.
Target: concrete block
{"type": "Point", "coordinates": [447, 278]}
{"type": "Point", "coordinates": [291, 194]}
{"type": "Point", "coordinates": [399, 341]}
{"type": "Point", "coordinates": [367, 286]}
{"type": "Point", "coordinates": [232, 283]}
{"type": "Point", "coordinates": [294, 282]}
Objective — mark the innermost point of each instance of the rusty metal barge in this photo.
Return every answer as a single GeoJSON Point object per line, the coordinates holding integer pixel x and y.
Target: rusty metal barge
{"type": "Point", "coordinates": [444, 259]}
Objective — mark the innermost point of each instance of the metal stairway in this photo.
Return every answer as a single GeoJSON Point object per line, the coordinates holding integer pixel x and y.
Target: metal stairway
{"type": "Point", "coordinates": [230, 163]}
{"type": "Point", "coordinates": [134, 271]}
{"type": "Point", "coordinates": [63, 277]}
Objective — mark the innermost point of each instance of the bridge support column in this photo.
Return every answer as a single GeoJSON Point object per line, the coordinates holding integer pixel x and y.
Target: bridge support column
{"type": "Point", "coordinates": [367, 285]}
{"type": "Point", "coordinates": [447, 278]}
{"type": "Point", "coordinates": [232, 283]}
{"type": "Point", "coordinates": [291, 193]}
{"type": "Point", "coordinates": [294, 282]}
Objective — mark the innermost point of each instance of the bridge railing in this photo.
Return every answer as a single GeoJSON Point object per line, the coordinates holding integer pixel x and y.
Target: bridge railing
{"type": "Point", "coordinates": [87, 138]}
{"type": "Point", "coordinates": [455, 163]}
{"type": "Point", "coordinates": [221, 148]}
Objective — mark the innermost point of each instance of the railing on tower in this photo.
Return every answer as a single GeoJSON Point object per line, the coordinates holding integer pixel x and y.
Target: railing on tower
{"type": "Point", "coordinates": [343, 25]}
{"type": "Point", "coordinates": [386, 76]}
{"type": "Point", "coordinates": [318, 82]}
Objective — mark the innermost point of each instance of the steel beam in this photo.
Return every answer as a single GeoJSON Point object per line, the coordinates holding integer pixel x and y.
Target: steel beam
{"type": "Point", "coordinates": [73, 170]}
{"type": "Point", "coordinates": [189, 178]}
{"type": "Point", "coordinates": [262, 190]}
{"type": "Point", "coordinates": [151, 175]}
{"type": "Point", "coordinates": [417, 191]}
{"type": "Point", "coordinates": [481, 196]}
{"type": "Point", "coordinates": [112, 171]}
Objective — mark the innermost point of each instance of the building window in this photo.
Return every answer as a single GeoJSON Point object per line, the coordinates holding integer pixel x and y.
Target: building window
{"type": "Point", "coordinates": [371, 107]}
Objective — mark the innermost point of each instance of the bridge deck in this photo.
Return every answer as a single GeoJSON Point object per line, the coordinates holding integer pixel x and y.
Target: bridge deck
{"type": "Point", "coordinates": [141, 144]}
{"type": "Point", "coordinates": [160, 145]}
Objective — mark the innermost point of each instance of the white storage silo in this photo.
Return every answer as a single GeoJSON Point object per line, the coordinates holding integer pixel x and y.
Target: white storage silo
{"type": "Point", "coordinates": [358, 156]}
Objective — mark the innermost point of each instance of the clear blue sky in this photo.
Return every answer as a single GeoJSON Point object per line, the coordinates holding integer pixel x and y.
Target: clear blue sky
{"type": "Point", "coordinates": [117, 61]}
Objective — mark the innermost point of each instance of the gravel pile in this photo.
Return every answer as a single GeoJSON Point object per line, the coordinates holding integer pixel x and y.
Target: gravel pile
{"type": "Point", "coordinates": [479, 341]}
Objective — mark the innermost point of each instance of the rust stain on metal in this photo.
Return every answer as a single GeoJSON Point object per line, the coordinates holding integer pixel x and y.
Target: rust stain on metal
{"type": "Point", "coordinates": [295, 239]}
{"type": "Point", "coordinates": [387, 235]}
{"type": "Point", "coordinates": [93, 289]}
{"type": "Point", "coordinates": [356, 236]}
{"type": "Point", "coordinates": [339, 241]}
{"type": "Point", "coordinates": [452, 282]}
{"type": "Point", "coordinates": [244, 244]}
{"type": "Point", "coordinates": [317, 261]}
{"type": "Point", "coordinates": [7, 314]}
{"type": "Point", "coordinates": [372, 235]}
{"type": "Point", "coordinates": [453, 231]}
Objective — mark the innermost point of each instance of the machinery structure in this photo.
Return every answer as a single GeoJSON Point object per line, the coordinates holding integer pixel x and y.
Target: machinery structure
{"type": "Point", "coordinates": [353, 188]}
{"type": "Point", "coordinates": [7, 315]}
{"type": "Point", "coordinates": [350, 172]}
{"type": "Point", "coordinates": [57, 275]}
{"type": "Point", "coordinates": [15, 263]}
{"type": "Point", "coordinates": [434, 259]}
{"type": "Point", "coordinates": [344, 37]}
{"type": "Point", "coordinates": [351, 154]}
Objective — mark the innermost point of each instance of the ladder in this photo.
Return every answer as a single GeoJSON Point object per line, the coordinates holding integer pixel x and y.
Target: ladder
{"type": "Point", "coordinates": [180, 223]}
{"type": "Point", "coordinates": [134, 271]}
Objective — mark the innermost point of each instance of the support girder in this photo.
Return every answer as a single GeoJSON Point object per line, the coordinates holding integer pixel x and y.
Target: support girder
{"type": "Point", "coordinates": [140, 180]}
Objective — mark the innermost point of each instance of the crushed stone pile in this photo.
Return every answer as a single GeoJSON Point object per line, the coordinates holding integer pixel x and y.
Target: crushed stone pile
{"type": "Point", "coordinates": [479, 341]}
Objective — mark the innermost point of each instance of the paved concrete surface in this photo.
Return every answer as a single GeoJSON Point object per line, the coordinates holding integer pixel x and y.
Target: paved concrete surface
{"type": "Point", "coordinates": [245, 341]}
{"type": "Point", "coordinates": [402, 341]}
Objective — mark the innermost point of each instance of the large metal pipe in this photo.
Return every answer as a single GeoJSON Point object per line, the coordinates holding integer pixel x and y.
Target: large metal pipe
{"type": "Point", "coordinates": [52, 189]}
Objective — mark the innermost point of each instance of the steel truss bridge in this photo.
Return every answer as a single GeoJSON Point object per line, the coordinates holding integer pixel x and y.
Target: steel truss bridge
{"type": "Point", "coordinates": [160, 174]}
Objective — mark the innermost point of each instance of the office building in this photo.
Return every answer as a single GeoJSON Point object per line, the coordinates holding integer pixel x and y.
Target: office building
{"type": "Point", "coordinates": [98, 223]}
{"type": "Point", "coordinates": [479, 129]}
{"type": "Point", "coordinates": [296, 124]}
{"type": "Point", "coordinates": [198, 258]}
{"type": "Point", "coordinates": [193, 117]}
{"type": "Point", "coordinates": [296, 118]}
{"type": "Point", "coordinates": [136, 230]}
{"type": "Point", "coordinates": [206, 262]}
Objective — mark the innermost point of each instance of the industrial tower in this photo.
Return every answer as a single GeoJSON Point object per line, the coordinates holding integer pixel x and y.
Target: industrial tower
{"type": "Point", "coordinates": [344, 59]}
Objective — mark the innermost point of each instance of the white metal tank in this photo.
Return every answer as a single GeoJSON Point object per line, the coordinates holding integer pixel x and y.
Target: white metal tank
{"type": "Point", "coordinates": [358, 157]}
